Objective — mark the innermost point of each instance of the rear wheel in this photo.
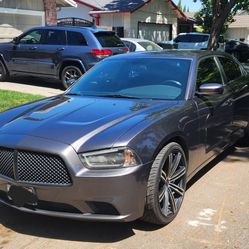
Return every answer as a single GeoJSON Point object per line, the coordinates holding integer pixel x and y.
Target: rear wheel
{"type": "Point", "coordinates": [69, 75]}
{"type": "Point", "coordinates": [166, 185]}
{"type": "Point", "coordinates": [3, 72]}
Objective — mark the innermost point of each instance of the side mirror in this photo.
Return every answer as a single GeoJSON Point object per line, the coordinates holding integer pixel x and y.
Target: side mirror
{"type": "Point", "coordinates": [15, 40]}
{"type": "Point", "coordinates": [210, 89]}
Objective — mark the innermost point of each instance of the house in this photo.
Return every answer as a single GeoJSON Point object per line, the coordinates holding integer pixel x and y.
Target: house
{"type": "Point", "coordinates": [187, 25]}
{"type": "Point", "coordinates": [17, 16]}
{"type": "Point", "coordinates": [239, 29]}
{"type": "Point", "coordinates": [155, 20]}
{"type": "Point", "coordinates": [82, 11]}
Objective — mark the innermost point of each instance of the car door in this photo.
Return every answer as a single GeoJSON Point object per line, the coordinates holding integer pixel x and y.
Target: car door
{"type": "Point", "coordinates": [215, 111]}
{"type": "Point", "coordinates": [238, 81]}
{"type": "Point", "coordinates": [51, 51]}
{"type": "Point", "coordinates": [24, 55]}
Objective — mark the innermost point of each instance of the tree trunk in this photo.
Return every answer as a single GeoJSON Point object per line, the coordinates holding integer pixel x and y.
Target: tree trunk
{"type": "Point", "coordinates": [50, 12]}
{"type": "Point", "coordinates": [215, 33]}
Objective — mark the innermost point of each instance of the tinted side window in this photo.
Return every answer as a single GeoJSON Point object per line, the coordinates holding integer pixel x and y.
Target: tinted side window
{"type": "Point", "coordinates": [182, 38]}
{"type": "Point", "coordinates": [231, 68]}
{"type": "Point", "coordinates": [199, 38]}
{"type": "Point", "coordinates": [208, 72]}
{"type": "Point", "coordinates": [75, 39]}
{"type": "Point", "coordinates": [33, 37]}
{"type": "Point", "coordinates": [55, 37]}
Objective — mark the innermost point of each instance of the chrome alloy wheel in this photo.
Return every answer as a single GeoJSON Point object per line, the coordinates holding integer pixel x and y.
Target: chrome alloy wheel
{"type": "Point", "coordinates": [172, 183]}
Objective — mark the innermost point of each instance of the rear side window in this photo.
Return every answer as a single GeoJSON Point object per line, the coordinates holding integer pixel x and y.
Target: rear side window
{"type": "Point", "coordinates": [231, 69]}
{"type": "Point", "coordinates": [75, 39]}
{"type": "Point", "coordinates": [208, 72]}
{"type": "Point", "coordinates": [55, 37]}
{"type": "Point", "coordinates": [109, 39]}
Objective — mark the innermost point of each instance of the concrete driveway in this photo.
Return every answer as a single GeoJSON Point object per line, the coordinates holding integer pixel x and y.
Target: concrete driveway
{"type": "Point", "coordinates": [214, 215]}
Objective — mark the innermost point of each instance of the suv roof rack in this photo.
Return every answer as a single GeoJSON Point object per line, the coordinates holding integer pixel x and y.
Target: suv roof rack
{"type": "Point", "coordinates": [72, 21]}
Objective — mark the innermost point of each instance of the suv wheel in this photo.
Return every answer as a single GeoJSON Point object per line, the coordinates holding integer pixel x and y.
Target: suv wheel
{"type": "Point", "coordinates": [166, 185]}
{"type": "Point", "coordinates": [3, 72]}
{"type": "Point", "coordinates": [69, 75]}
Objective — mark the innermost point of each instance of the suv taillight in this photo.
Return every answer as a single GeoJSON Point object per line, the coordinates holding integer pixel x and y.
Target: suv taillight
{"type": "Point", "coordinates": [101, 52]}
{"type": "Point", "coordinates": [127, 50]}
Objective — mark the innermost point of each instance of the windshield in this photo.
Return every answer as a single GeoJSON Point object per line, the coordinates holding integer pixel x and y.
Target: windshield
{"type": "Point", "coordinates": [149, 78]}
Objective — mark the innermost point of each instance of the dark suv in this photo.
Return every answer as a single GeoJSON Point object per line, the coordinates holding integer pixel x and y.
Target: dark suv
{"type": "Point", "coordinates": [63, 53]}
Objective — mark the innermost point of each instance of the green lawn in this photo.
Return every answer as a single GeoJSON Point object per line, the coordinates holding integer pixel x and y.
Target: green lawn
{"type": "Point", "coordinates": [9, 99]}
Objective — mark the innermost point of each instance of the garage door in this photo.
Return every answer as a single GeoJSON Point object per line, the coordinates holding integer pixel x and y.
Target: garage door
{"type": "Point", "coordinates": [12, 25]}
{"type": "Point", "coordinates": [155, 32]}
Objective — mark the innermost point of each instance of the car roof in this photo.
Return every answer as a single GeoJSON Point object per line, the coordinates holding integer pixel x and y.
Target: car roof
{"type": "Point", "coordinates": [93, 28]}
{"type": "Point", "coordinates": [135, 40]}
{"type": "Point", "coordinates": [172, 53]}
{"type": "Point", "coordinates": [194, 33]}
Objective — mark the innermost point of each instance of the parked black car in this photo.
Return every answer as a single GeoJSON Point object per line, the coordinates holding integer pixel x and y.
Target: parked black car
{"type": "Point", "coordinates": [122, 143]}
{"type": "Point", "coordinates": [63, 53]}
{"type": "Point", "coordinates": [238, 49]}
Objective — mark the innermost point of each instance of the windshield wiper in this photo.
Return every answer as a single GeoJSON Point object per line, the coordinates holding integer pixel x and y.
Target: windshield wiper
{"type": "Point", "coordinates": [118, 96]}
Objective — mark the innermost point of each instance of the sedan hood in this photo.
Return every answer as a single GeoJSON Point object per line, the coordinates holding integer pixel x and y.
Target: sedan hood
{"type": "Point", "coordinates": [74, 119]}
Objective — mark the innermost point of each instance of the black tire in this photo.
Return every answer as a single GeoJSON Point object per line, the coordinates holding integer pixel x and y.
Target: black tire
{"type": "Point", "coordinates": [69, 75]}
{"type": "Point", "coordinates": [3, 72]}
{"type": "Point", "coordinates": [166, 185]}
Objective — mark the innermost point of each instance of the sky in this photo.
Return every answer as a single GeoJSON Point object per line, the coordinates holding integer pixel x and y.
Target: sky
{"type": "Point", "coordinates": [190, 3]}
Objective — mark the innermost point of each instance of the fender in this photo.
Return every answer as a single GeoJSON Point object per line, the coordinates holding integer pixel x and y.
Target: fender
{"type": "Point", "coordinates": [70, 60]}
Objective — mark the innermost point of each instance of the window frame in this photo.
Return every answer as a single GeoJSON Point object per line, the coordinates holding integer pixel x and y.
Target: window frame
{"type": "Point", "coordinates": [214, 57]}
{"type": "Point", "coordinates": [242, 70]}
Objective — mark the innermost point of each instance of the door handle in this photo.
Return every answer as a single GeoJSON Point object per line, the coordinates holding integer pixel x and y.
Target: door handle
{"type": "Point", "coordinates": [60, 49]}
{"type": "Point", "coordinates": [229, 102]}
{"type": "Point", "coordinates": [33, 48]}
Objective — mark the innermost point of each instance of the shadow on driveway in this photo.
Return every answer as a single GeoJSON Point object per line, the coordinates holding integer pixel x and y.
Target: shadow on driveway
{"type": "Point", "coordinates": [33, 81]}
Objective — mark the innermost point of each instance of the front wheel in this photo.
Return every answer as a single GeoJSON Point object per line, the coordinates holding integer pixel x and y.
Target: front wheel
{"type": "Point", "coordinates": [69, 75]}
{"type": "Point", "coordinates": [166, 185]}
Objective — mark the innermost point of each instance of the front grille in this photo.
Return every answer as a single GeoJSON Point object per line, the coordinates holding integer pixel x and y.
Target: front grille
{"type": "Point", "coordinates": [34, 168]}
{"type": "Point", "coordinates": [6, 163]}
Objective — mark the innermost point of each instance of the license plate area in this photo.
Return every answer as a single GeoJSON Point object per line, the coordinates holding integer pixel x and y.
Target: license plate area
{"type": "Point", "coordinates": [20, 195]}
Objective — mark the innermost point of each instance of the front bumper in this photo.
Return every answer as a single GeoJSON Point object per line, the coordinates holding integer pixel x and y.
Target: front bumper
{"type": "Point", "coordinates": [103, 195]}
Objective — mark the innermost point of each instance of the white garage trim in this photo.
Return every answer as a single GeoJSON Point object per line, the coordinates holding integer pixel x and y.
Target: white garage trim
{"type": "Point", "coordinates": [24, 12]}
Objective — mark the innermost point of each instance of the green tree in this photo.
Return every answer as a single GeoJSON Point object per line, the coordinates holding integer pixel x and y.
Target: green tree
{"type": "Point", "coordinates": [184, 8]}
{"type": "Point", "coordinates": [216, 15]}
{"type": "Point", "coordinates": [188, 10]}
{"type": "Point", "coordinates": [179, 5]}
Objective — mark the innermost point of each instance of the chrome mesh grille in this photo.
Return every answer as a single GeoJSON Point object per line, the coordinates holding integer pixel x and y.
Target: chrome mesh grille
{"type": "Point", "coordinates": [7, 162]}
{"type": "Point", "coordinates": [32, 167]}
{"type": "Point", "coordinates": [41, 168]}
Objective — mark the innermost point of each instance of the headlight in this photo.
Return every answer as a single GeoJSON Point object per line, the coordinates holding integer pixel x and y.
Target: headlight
{"type": "Point", "coordinates": [112, 158]}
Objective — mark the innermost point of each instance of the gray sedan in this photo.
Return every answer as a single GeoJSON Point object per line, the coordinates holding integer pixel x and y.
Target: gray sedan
{"type": "Point", "coordinates": [123, 142]}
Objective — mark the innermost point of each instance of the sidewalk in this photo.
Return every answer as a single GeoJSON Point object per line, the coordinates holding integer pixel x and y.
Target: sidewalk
{"type": "Point", "coordinates": [32, 86]}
